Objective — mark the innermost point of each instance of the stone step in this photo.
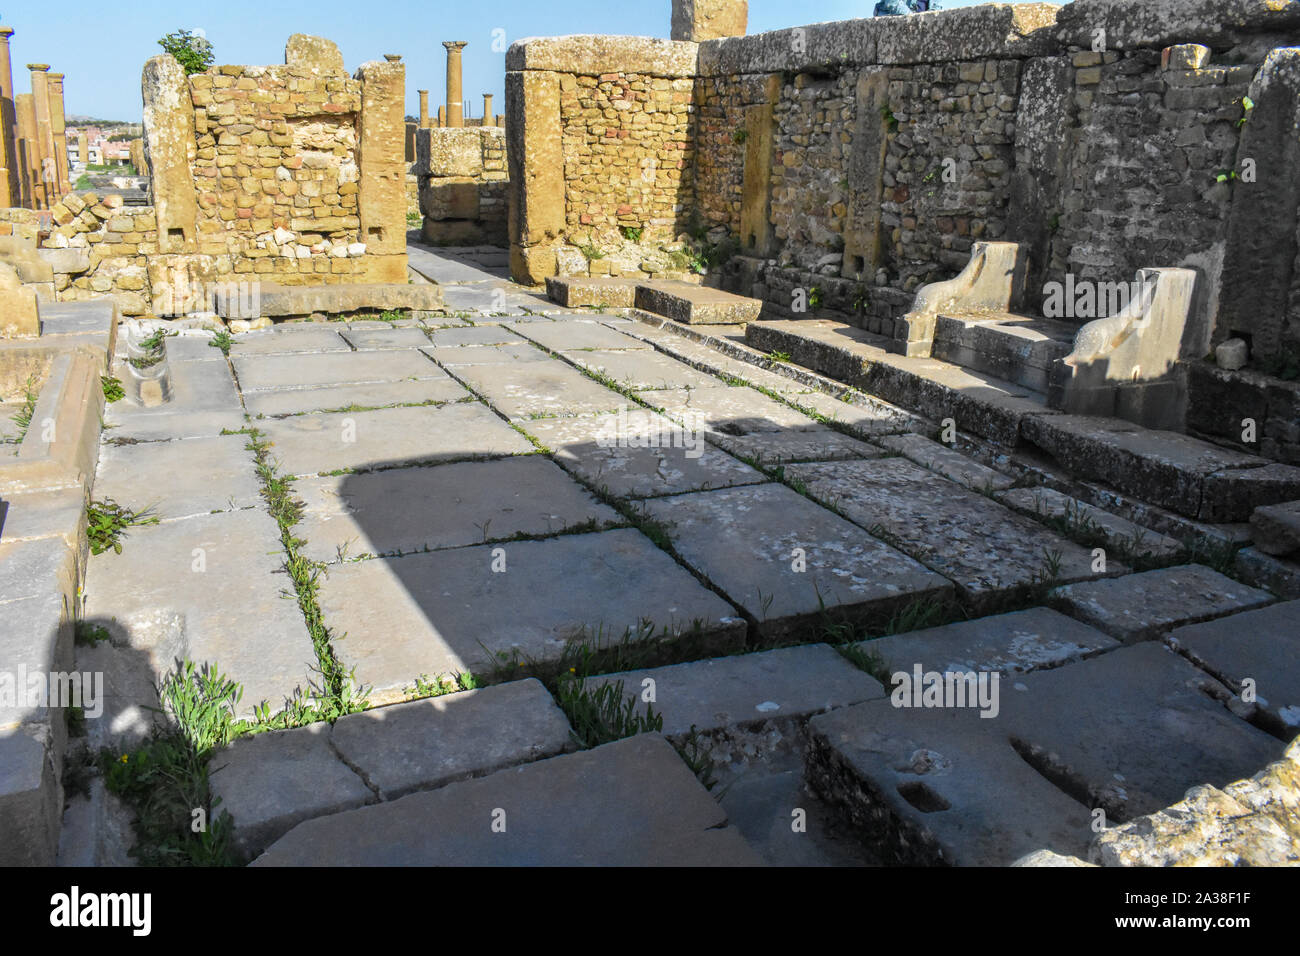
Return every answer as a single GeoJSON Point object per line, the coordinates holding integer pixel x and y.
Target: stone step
{"type": "Point", "coordinates": [1277, 528]}
{"type": "Point", "coordinates": [789, 684]}
{"type": "Point", "coordinates": [1021, 349]}
{"type": "Point", "coordinates": [284, 302]}
{"type": "Point", "coordinates": [1127, 540]}
{"type": "Point", "coordinates": [271, 782]}
{"type": "Point", "coordinates": [1184, 474]}
{"type": "Point", "coordinates": [695, 304]}
{"type": "Point", "coordinates": [598, 292]}
{"type": "Point", "coordinates": [978, 402]}
{"type": "Point", "coordinates": [629, 803]}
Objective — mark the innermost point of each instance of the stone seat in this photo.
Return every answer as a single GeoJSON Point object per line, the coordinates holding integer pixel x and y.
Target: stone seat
{"type": "Point", "coordinates": [695, 304]}
{"type": "Point", "coordinates": [282, 302]}
{"type": "Point", "coordinates": [1022, 349]}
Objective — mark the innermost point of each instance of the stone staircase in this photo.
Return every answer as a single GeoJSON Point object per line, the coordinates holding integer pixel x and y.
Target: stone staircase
{"type": "Point", "coordinates": [673, 299]}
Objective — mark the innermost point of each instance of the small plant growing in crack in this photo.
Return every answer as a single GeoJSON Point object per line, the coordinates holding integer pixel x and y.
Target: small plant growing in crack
{"type": "Point", "coordinates": [221, 340]}
{"type": "Point", "coordinates": [113, 390]}
{"type": "Point", "coordinates": [603, 714]}
{"type": "Point", "coordinates": [107, 521]}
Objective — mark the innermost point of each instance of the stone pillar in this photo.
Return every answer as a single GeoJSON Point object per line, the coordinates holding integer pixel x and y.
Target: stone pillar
{"type": "Point", "coordinates": [83, 152]}
{"type": "Point", "coordinates": [47, 172]}
{"type": "Point", "coordinates": [535, 155]}
{"type": "Point", "coordinates": [442, 116]}
{"type": "Point", "coordinates": [170, 147]}
{"type": "Point", "coordinates": [487, 109]}
{"type": "Point", "coordinates": [424, 108]}
{"type": "Point", "coordinates": [10, 174]}
{"type": "Point", "coordinates": [28, 165]}
{"type": "Point", "coordinates": [381, 197]}
{"type": "Point", "coordinates": [58, 126]}
{"type": "Point", "coordinates": [455, 105]}
{"type": "Point", "coordinates": [697, 20]}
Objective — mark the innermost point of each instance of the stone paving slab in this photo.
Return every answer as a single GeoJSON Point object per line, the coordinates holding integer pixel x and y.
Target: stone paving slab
{"type": "Point", "coordinates": [695, 304]}
{"type": "Point", "coordinates": [404, 510]}
{"type": "Point", "coordinates": [1265, 571]}
{"type": "Point", "coordinates": [296, 401]}
{"type": "Point", "coordinates": [592, 808]}
{"type": "Point", "coordinates": [527, 390]}
{"type": "Point", "coordinates": [778, 448]}
{"type": "Point", "coordinates": [304, 371]}
{"type": "Point", "coordinates": [929, 786]}
{"type": "Point", "coordinates": [1277, 528]}
{"type": "Point", "coordinates": [449, 612]}
{"type": "Point", "coordinates": [577, 334]}
{"type": "Point", "coordinates": [29, 798]}
{"type": "Point", "coordinates": [204, 475]}
{"type": "Point", "coordinates": [310, 444]}
{"type": "Point", "coordinates": [444, 270]}
{"type": "Point", "coordinates": [789, 683]}
{"type": "Point", "coordinates": [59, 512]}
{"type": "Point", "coordinates": [643, 369]}
{"type": "Point", "coordinates": [639, 454]}
{"type": "Point", "coordinates": [36, 614]}
{"type": "Point", "coordinates": [475, 335]}
{"type": "Point", "coordinates": [192, 348]}
{"type": "Point", "coordinates": [271, 782]}
{"type": "Point", "coordinates": [204, 403]}
{"type": "Point", "coordinates": [947, 462]}
{"type": "Point", "coordinates": [296, 337]}
{"type": "Point", "coordinates": [987, 550]}
{"type": "Point", "coordinates": [1006, 643]}
{"type": "Point", "coordinates": [1143, 606]}
{"type": "Point", "coordinates": [867, 421]}
{"type": "Point", "coordinates": [611, 292]}
{"type": "Point", "coordinates": [1119, 532]}
{"type": "Point", "coordinates": [1132, 730]}
{"type": "Point", "coordinates": [735, 411]}
{"type": "Point", "coordinates": [1261, 645]}
{"type": "Point", "coordinates": [364, 340]}
{"type": "Point", "coordinates": [510, 353]}
{"type": "Point", "coordinates": [429, 743]}
{"type": "Point", "coordinates": [160, 600]}
{"type": "Point", "coordinates": [744, 540]}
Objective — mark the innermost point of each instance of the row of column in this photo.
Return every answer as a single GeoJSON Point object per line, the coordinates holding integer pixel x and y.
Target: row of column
{"type": "Point", "coordinates": [34, 171]}
{"type": "Point", "coordinates": [453, 112]}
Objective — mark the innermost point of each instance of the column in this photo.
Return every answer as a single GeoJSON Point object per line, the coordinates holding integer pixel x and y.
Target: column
{"type": "Point", "coordinates": [455, 106]}
{"type": "Point", "coordinates": [487, 109]}
{"type": "Point", "coordinates": [442, 116]}
{"type": "Point", "coordinates": [697, 20]}
{"type": "Point", "coordinates": [58, 125]}
{"type": "Point", "coordinates": [43, 153]}
{"type": "Point", "coordinates": [424, 108]}
{"type": "Point", "coordinates": [10, 174]}
{"type": "Point", "coordinates": [28, 164]}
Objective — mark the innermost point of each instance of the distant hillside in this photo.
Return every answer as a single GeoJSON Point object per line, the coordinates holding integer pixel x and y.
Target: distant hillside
{"type": "Point", "coordinates": [92, 121]}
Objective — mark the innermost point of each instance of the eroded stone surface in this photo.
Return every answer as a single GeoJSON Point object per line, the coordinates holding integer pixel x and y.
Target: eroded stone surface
{"type": "Point", "coordinates": [205, 475]}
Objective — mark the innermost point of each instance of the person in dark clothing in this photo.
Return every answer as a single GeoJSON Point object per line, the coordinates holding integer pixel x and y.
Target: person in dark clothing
{"type": "Point", "coordinates": [898, 8]}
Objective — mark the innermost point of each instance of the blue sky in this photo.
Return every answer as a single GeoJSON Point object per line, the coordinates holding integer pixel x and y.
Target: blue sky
{"type": "Point", "coordinates": [102, 47]}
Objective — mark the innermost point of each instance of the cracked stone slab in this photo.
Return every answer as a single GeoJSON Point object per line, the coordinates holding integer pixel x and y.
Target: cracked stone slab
{"type": "Point", "coordinates": [637, 370]}
{"type": "Point", "coordinates": [789, 683]}
{"type": "Point", "coordinates": [1261, 645]}
{"type": "Point", "coordinates": [311, 444]}
{"type": "Point", "coordinates": [1130, 731]}
{"type": "Point", "coordinates": [867, 420]}
{"type": "Point", "coordinates": [204, 402]}
{"type": "Point", "coordinates": [204, 475]}
{"type": "Point", "coordinates": [294, 337]}
{"type": "Point", "coordinates": [576, 334]}
{"type": "Point", "coordinates": [988, 551]}
{"type": "Point", "coordinates": [364, 340]}
{"type": "Point", "coordinates": [448, 612]}
{"type": "Point", "coordinates": [1139, 607]}
{"type": "Point", "coordinates": [509, 353]}
{"type": "Point", "coordinates": [930, 786]}
{"type": "Point", "coordinates": [947, 462]}
{"type": "Point", "coordinates": [744, 540]}
{"type": "Point", "coordinates": [1006, 643]}
{"type": "Point", "coordinates": [348, 368]}
{"type": "Point", "coordinates": [695, 304]}
{"type": "Point", "coordinates": [550, 389]}
{"type": "Point", "coordinates": [169, 595]}
{"type": "Point", "coordinates": [592, 808]}
{"type": "Point", "coordinates": [639, 454]}
{"type": "Point", "coordinates": [1119, 532]}
{"type": "Point", "coordinates": [271, 782]}
{"type": "Point", "coordinates": [471, 502]}
{"type": "Point", "coordinates": [474, 335]}
{"type": "Point", "coordinates": [297, 401]}
{"type": "Point", "coordinates": [429, 743]}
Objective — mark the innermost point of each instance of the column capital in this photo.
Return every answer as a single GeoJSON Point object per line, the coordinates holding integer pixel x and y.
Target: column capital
{"type": "Point", "coordinates": [38, 67]}
{"type": "Point", "coordinates": [5, 34]}
{"type": "Point", "coordinates": [455, 46]}
{"type": "Point", "coordinates": [57, 76]}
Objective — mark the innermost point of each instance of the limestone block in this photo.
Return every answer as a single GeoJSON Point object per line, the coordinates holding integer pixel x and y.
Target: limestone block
{"type": "Point", "coordinates": [1232, 354]}
{"type": "Point", "coordinates": [1184, 56]}
{"type": "Point", "coordinates": [592, 55]}
{"type": "Point", "coordinates": [18, 318]}
{"type": "Point", "coordinates": [993, 281]}
{"type": "Point", "coordinates": [1158, 23]}
{"type": "Point", "coordinates": [697, 20]}
{"type": "Point", "coordinates": [449, 152]}
{"type": "Point", "coordinates": [313, 53]}
{"type": "Point", "coordinates": [969, 33]}
{"type": "Point", "coordinates": [381, 200]}
{"type": "Point", "coordinates": [1277, 528]}
{"type": "Point", "coordinates": [449, 198]}
{"type": "Point", "coordinates": [170, 146]}
{"type": "Point", "coordinates": [537, 187]}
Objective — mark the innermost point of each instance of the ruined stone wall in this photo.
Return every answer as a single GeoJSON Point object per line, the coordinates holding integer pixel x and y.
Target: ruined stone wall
{"type": "Point", "coordinates": [463, 185]}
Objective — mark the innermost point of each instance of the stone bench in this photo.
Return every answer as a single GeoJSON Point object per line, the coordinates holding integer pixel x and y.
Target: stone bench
{"type": "Point", "coordinates": [284, 302]}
